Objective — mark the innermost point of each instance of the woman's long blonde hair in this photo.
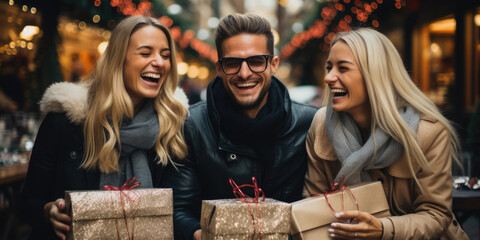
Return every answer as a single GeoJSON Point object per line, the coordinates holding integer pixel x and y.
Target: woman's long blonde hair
{"type": "Point", "coordinates": [109, 102]}
{"type": "Point", "coordinates": [389, 87]}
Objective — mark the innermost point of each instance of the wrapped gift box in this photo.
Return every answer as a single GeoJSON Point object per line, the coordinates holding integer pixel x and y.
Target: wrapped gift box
{"type": "Point", "coordinates": [311, 217]}
{"type": "Point", "coordinates": [100, 215]}
{"type": "Point", "coordinates": [234, 219]}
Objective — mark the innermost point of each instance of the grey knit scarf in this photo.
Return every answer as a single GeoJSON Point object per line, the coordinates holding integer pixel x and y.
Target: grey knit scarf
{"type": "Point", "coordinates": [356, 156]}
{"type": "Point", "coordinates": [136, 136]}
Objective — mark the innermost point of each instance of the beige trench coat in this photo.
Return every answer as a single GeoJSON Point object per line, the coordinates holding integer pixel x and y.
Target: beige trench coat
{"type": "Point", "coordinates": [415, 215]}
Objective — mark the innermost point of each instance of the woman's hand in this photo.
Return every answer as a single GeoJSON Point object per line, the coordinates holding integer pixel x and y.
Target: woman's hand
{"type": "Point", "coordinates": [54, 212]}
{"type": "Point", "coordinates": [197, 235]}
{"type": "Point", "coordinates": [363, 226]}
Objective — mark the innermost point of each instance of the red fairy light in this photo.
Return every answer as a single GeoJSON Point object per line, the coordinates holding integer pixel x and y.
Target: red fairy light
{"type": "Point", "coordinates": [360, 9]}
{"type": "Point", "coordinates": [296, 41]}
{"type": "Point", "coordinates": [127, 7]}
{"type": "Point", "coordinates": [329, 38]}
{"type": "Point", "coordinates": [339, 7]}
{"type": "Point", "coordinates": [114, 3]}
{"type": "Point", "coordinates": [144, 5]}
{"type": "Point", "coordinates": [97, 3]}
{"type": "Point", "coordinates": [354, 10]}
{"type": "Point", "coordinates": [348, 19]}
{"type": "Point", "coordinates": [166, 20]}
{"type": "Point", "coordinates": [342, 25]}
{"type": "Point", "coordinates": [362, 17]}
{"type": "Point", "coordinates": [367, 8]}
{"type": "Point", "coordinates": [328, 13]}
{"type": "Point", "coordinates": [176, 32]}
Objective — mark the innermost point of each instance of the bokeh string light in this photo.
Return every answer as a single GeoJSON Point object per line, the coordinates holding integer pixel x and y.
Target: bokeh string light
{"type": "Point", "coordinates": [336, 16]}
{"type": "Point", "coordinates": [128, 8]}
{"type": "Point", "coordinates": [24, 40]}
{"type": "Point", "coordinates": [187, 38]}
{"type": "Point", "coordinates": [184, 38]}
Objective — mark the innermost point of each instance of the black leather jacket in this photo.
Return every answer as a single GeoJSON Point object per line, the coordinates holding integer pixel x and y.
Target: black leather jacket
{"type": "Point", "coordinates": [213, 159]}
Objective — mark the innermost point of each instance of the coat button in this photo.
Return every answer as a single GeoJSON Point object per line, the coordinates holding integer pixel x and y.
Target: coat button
{"type": "Point", "coordinates": [233, 156]}
{"type": "Point", "coordinates": [73, 155]}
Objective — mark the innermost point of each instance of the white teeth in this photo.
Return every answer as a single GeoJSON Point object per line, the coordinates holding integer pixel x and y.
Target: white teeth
{"type": "Point", "coordinates": [151, 75]}
{"type": "Point", "coordinates": [250, 84]}
{"type": "Point", "coordinates": [336, 90]}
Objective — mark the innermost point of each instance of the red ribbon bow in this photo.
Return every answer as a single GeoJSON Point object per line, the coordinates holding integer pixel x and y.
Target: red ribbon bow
{"type": "Point", "coordinates": [341, 187]}
{"type": "Point", "coordinates": [237, 191]}
{"type": "Point", "coordinates": [128, 185]}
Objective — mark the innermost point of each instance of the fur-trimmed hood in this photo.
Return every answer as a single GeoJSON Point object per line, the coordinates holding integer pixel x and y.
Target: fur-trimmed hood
{"type": "Point", "coordinates": [71, 98]}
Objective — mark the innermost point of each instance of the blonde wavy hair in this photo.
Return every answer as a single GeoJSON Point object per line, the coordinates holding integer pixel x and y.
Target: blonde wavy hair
{"type": "Point", "coordinates": [109, 102]}
{"type": "Point", "coordinates": [389, 87]}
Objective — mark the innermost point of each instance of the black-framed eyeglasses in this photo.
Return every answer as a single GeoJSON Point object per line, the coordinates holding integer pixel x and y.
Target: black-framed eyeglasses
{"type": "Point", "coordinates": [256, 63]}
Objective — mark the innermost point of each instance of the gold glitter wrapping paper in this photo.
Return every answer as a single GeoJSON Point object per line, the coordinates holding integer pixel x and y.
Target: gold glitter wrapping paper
{"type": "Point", "coordinates": [232, 219]}
{"type": "Point", "coordinates": [96, 214]}
{"type": "Point", "coordinates": [311, 217]}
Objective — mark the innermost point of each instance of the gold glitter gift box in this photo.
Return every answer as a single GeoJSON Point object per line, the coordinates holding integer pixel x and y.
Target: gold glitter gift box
{"type": "Point", "coordinates": [100, 214]}
{"type": "Point", "coordinates": [233, 219]}
{"type": "Point", "coordinates": [311, 217]}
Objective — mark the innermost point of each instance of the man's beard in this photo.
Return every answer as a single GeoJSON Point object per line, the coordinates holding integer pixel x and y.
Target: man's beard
{"type": "Point", "coordinates": [252, 105]}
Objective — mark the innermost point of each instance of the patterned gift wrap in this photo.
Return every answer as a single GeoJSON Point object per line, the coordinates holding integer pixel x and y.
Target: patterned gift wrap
{"type": "Point", "coordinates": [127, 214]}
{"type": "Point", "coordinates": [233, 219]}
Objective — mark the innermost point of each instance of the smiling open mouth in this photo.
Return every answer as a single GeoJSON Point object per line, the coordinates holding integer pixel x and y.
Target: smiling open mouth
{"type": "Point", "coordinates": [246, 85]}
{"type": "Point", "coordinates": [339, 92]}
{"type": "Point", "coordinates": [151, 77]}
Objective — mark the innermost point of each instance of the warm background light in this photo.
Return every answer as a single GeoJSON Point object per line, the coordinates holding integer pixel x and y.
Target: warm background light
{"type": "Point", "coordinates": [102, 47]}
{"type": "Point", "coordinates": [182, 68]}
{"type": "Point", "coordinates": [28, 32]}
{"type": "Point", "coordinates": [443, 26]}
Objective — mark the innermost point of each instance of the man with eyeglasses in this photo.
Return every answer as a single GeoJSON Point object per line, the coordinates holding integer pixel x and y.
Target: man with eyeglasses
{"type": "Point", "coordinates": [248, 127]}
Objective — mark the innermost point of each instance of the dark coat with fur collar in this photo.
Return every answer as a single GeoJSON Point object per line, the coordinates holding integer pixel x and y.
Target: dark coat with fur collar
{"type": "Point", "coordinates": [57, 155]}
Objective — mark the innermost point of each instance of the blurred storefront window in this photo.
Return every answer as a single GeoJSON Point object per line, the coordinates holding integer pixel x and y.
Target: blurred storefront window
{"type": "Point", "coordinates": [79, 49]}
{"type": "Point", "coordinates": [19, 34]}
{"type": "Point", "coordinates": [435, 54]}
{"type": "Point", "coordinates": [433, 64]}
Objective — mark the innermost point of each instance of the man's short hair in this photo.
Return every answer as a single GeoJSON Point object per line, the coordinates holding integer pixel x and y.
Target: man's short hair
{"type": "Point", "coordinates": [235, 24]}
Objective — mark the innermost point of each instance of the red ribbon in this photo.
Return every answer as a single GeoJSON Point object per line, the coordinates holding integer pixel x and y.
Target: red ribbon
{"type": "Point", "coordinates": [342, 188]}
{"type": "Point", "coordinates": [237, 191]}
{"type": "Point", "coordinates": [128, 185]}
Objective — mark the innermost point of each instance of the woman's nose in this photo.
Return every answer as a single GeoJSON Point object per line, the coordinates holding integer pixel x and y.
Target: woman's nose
{"type": "Point", "coordinates": [158, 61]}
{"type": "Point", "coordinates": [331, 77]}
